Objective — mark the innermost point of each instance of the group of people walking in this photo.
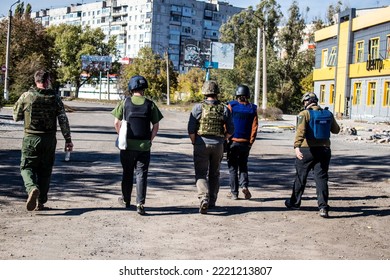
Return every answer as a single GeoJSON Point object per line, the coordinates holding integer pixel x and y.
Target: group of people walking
{"type": "Point", "coordinates": [213, 127]}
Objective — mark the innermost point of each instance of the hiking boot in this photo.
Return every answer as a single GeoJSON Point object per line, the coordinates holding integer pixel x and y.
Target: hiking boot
{"type": "Point", "coordinates": [32, 199]}
{"type": "Point", "coordinates": [122, 202]}
{"type": "Point", "coordinates": [289, 205]}
{"type": "Point", "coordinates": [140, 209]}
{"type": "Point", "coordinates": [247, 193]}
{"type": "Point", "coordinates": [324, 213]}
{"type": "Point", "coordinates": [204, 205]}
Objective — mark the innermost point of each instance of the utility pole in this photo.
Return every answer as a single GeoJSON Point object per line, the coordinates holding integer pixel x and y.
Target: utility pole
{"type": "Point", "coordinates": [257, 77]}
{"type": "Point", "coordinates": [264, 103]}
{"type": "Point", "coordinates": [167, 60]}
{"type": "Point", "coordinates": [7, 56]}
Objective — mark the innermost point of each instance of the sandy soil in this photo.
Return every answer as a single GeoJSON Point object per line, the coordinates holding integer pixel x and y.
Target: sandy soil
{"type": "Point", "coordinates": [86, 222]}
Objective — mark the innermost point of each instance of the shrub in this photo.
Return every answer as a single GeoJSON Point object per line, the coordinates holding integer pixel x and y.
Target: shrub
{"type": "Point", "coordinates": [271, 113]}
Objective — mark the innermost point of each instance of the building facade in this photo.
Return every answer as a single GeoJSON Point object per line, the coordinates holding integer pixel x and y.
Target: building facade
{"type": "Point", "coordinates": [352, 65]}
{"type": "Point", "coordinates": [163, 25]}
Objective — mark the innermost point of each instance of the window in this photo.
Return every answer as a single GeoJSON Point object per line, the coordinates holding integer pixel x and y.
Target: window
{"type": "Point", "coordinates": [388, 47]}
{"type": "Point", "coordinates": [371, 93]}
{"type": "Point", "coordinates": [374, 48]}
{"type": "Point", "coordinates": [322, 94]}
{"type": "Point", "coordinates": [332, 58]}
{"type": "Point", "coordinates": [324, 58]}
{"type": "Point", "coordinates": [360, 51]}
{"type": "Point", "coordinates": [386, 97]}
{"type": "Point", "coordinates": [331, 94]}
{"type": "Point", "coordinates": [357, 93]}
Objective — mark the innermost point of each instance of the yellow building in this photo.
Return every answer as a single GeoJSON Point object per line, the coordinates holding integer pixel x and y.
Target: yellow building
{"type": "Point", "coordinates": [352, 65]}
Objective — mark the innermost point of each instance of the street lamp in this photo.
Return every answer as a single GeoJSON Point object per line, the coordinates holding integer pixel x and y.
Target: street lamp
{"type": "Point", "coordinates": [6, 78]}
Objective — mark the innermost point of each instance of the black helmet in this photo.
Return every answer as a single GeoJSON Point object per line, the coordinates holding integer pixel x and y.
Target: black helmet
{"type": "Point", "coordinates": [310, 96]}
{"type": "Point", "coordinates": [242, 90]}
{"type": "Point", "coordinates": [137, 82]}
{"type": "Point", "coordinates": [210, 88]}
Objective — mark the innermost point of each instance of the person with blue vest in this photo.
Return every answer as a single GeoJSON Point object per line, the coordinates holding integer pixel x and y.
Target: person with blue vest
{"type": "Point", "coordinates": [246, 122]}
{"type": "Point", "coordinates": [312, 150]}
{"type": "Point", "coordinates": [143, 117]}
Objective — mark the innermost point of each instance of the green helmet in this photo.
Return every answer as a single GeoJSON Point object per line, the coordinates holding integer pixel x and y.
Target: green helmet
{"type": "Point", "coordinates": [210, 88]}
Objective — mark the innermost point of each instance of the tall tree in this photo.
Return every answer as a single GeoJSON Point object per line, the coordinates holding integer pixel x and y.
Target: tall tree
{"type": "Point", "coordinates": [30, 48]}
{"type": "Point", "coordinates": [241, 30]}
{"type": "Point", "coordinates": [73, 41]}
{"type": "Point", "coordinates": [291, 40]}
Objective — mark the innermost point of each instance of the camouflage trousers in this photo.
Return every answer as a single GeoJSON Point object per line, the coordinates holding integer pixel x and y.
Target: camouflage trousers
{"type": "Point", "coordinates": [38, 154]}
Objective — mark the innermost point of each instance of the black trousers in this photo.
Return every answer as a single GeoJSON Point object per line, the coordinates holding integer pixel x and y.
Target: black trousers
{"type": "Point", "coordinates": [139, 162]}
{"type": "Point", "coordinates": [238, 166]}
{"type": "Point", "coordinates": [316, 159]}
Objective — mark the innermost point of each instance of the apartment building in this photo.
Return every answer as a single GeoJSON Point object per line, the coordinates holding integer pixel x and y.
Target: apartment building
{"type": "Point", "coordinates": [352, 65]}
{"type": "Point", "coordinates": [163, 25]}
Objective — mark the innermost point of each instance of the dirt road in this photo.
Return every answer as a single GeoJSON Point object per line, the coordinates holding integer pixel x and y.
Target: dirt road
{"type": "Point", "coordinates": [86, 222]}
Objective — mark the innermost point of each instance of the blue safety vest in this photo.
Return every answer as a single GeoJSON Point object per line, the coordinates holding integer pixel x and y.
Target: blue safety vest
{"type": "Point", "coordinates": [243, 115]}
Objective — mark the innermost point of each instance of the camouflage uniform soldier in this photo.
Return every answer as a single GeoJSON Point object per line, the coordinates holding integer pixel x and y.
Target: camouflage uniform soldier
{"type": "Point", "coordinates": [312, 150]}
{"type": "Point", "coordinates": [40, 108]}
{"type": "Point", "coordinates": [209, 125]}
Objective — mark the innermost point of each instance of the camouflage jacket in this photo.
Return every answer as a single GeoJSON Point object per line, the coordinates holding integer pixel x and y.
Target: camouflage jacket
{"type": "Point", "coordinates": [40, 109]}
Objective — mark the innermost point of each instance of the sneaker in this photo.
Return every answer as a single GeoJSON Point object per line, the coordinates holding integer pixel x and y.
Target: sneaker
{"type": "Point", "coordinates": [289, 205]}
{"type": "Point", "coordinates": [140, 209]}
{"type": "Point", "coordinates": [122, 202]}
{"type": "Point", "coordinates": [32, 199]}
{"type": "Point", "coordinates": [324, 213]}
{"type": "Point", "coordinates": [204, 205]}
{"type": "Point", "coordinates": [232, 196]}
{"type": "Point", "coordinates": [247, 193]}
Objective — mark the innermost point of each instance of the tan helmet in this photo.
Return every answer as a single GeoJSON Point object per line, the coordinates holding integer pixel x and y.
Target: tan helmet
{"type": "Point", "coordinates": [210, 88]}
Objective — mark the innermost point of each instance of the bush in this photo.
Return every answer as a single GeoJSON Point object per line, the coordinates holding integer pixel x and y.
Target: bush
{"type": "Point", "coordinates": [271, 113]}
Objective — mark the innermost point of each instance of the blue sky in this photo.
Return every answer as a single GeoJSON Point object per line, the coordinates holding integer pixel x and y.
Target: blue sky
{"type": "Point", "coordinates": [317, 8]}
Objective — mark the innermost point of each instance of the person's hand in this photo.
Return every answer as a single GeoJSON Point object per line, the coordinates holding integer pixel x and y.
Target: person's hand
{"type": "Point", "coordinates": [69, 146]}
{"type": "Point", "coordinates": [298, 153]}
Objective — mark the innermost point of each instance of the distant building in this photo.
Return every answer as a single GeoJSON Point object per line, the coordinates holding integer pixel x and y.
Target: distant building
{"type": "Point", "coordinates": [163, 25]}
{"type": "Point", "coordinates": [352, 65]}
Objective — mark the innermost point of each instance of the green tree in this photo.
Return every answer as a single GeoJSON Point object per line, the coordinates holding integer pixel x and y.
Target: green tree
{"type": "Point", "coordinates": [191, 83]}
{"type": "Point", "coordinates": [292, 62]}
{"type": "Point", "coordinates": [153, 67]}
{"type": "Point", "coordinates": [73, 41]}
{"type": "Point", "coordinates": [241, 30]}
{"type": "Point", "coordinates": [30, 48]}
{"type": "Point", "coordinates": [332, 11]}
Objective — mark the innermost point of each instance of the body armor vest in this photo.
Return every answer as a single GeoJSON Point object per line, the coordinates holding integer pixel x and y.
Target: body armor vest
{"type": "Point", "coordinates": [212, 120]}
{"type": "Point", "coordinates": [243, 115]}
{"type": "Point", "coordinates": [138, 119]}
{"type": "Point", "coordinates": [41, 116]}
{"type": "Point", "coordinates": [319, 124]}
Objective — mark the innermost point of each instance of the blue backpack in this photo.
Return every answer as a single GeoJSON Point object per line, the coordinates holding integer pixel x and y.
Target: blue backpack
{"type": "Point", "coordinates": [320, 124]}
